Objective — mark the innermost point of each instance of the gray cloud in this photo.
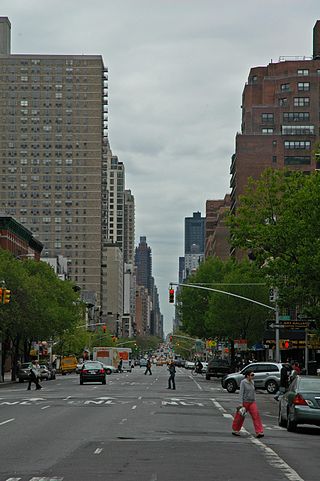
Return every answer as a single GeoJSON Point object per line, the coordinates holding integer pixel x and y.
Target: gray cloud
{"type": "Point", "coordinates": [177, 70]}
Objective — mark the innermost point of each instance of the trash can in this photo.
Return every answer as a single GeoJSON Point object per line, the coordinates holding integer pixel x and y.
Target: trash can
{"type": "Point", "coordinates": [312, 368]}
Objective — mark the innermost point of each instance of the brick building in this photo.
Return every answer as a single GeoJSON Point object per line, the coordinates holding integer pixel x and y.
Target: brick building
{"type": "Point", "coordinates": [216, 231]}
{"type": "Point", "coordinates": [280, 119]}
{"type": "Point", "coordinates": [18, 240]}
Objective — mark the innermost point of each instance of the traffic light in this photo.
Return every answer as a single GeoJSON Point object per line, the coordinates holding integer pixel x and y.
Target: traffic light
{"type": "Point", "coordinates": [104, 329]}
{"type": "Point", "coordinates": [6, 296]}
{"type": "Point", "coordinates": [285, 344]}
{"type": "Point", "coordinates": [171, 296]}
{"type": "Point", "coordinates": [170, 338]}
{"type": "Point", "coordinates": [1, 295]}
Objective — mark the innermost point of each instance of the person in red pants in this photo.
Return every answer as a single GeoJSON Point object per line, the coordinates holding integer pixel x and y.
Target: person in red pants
{"type": "Point", "coordinates": [248, 401]}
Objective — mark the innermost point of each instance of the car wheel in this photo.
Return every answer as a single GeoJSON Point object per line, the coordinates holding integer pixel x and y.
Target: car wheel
{"type": "Point", "coordinates": [81, 381]}
{"type": "Point", "coordinates": [281, 421]}
{"type": "Point", "coordinates": [230, 385]}
{"type": "Point", "coordinates": [291, 425]}
{"type": "Point", "coordinates": [108, 371]}
{"type": "Point", "coordinates": [207, 377]}
{"type": "Point", "coordinates": [271, 387]}
{"type": "Point", "coordinates": [104, 381]}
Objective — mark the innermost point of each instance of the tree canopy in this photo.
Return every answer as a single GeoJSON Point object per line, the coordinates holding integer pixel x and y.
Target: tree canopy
{"type": "Point", "coordinates": [278, 221]}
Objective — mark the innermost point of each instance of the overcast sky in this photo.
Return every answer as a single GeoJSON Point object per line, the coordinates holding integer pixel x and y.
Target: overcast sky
{"type": "Point", "coordinates": [177, 69]}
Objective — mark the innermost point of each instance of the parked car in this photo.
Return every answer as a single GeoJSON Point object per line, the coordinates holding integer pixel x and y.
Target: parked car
{"type": "Point", "coordinates": [47, 372]}
{"type": "Point", "coordinates": [189, 365]}
{"type": "Point", "coordinates": [92, 371]}
{"type": "Point", "coordinates": [301, 403]}
{"type": "Point", "coordinates": [44, 372]}
{"type": "Point", "coordinates": [218, 368]}
{"type": "Point", "coordinates": [266, 376]}
{"type": "Point", "coordinates": [24, 371]}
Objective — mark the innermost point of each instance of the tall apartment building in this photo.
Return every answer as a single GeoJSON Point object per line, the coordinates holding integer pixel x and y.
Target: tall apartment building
{"type": "Point", "coordinates": [280, 119]}
{"type": "Point", "coordinates": [116, 181]}
{"type": "Point", "coordinates": [53, 139]}
{"type": "Point", "coordinates": [129, 227]}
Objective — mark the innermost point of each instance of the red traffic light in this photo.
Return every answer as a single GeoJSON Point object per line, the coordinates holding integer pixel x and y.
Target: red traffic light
{"type": "Point", "coordinates": [286, 344]}
{"type": "Point", "coordinates": [171, 296]}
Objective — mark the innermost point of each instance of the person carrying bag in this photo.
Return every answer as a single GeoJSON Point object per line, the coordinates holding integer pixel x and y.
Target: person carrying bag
{"type": "Point", "coordinates": [248, 404]}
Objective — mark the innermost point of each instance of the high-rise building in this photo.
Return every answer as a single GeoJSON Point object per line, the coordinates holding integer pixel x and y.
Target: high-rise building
{"type": "Point", "coordinates": [129, 227]}
{"type": "Point", "coordinates": [116, 179]}
{"type": "Point", "coordinates": [194, 231]}
{"type": "Point", "coordinates": [53, 142]}
{"type": "Point", "coordinates": [280, 119]}
{"type": "Point", "coordinates": [143, 261]}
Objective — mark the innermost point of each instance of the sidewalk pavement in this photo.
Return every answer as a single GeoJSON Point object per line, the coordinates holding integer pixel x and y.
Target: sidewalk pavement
{"type": "Point", "coordinates": [7, 379]}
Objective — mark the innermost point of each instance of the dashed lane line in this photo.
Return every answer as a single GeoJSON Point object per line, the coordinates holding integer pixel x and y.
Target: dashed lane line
{"type": "Point", "coordinates": [7, 421]}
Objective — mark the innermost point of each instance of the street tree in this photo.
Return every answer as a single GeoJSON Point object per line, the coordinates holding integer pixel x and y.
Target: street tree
{"type": "Point", "coordinates": [278, 223]}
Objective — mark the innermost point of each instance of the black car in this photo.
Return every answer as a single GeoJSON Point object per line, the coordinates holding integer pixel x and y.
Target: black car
{"type": "Point", "coordinates": [92, 371]}
{"type": "Point", "coordinates": [218, 368]}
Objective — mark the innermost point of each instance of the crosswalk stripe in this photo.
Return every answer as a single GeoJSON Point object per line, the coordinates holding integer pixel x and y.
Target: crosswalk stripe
{"type": "Point", "coordinates": [46, 479]}
{"type": "Point", "coordinates": [13, 479]}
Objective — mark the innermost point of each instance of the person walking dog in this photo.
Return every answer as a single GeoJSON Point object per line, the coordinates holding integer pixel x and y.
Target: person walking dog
{"type": "Point", "coordinates": [247, 401]}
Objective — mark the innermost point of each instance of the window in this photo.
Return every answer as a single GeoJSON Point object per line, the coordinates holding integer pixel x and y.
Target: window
{"type": "Point", "coordinates": [301, 101]}
{"type": "Point", "coordinates": [297, 144]}
{"type": "Point", "coordinates": [283, 101]}
{"type": "Point", "coordinates": [298, 130]}
{"type": "Point", "coordinates": [303, 86]}
{"type": "Point", "coordinates": [267, 131]}
{"type": "Point", "coordinates": [295, 116]}
{"type": "Point", "coordinates": [267, 118]}
{"type": "Point", "coordinates": [285, 87]}
{"type": "Point", "coordinates": [297, 160]}
{"type": "Point", "coordinates": [302, 72]}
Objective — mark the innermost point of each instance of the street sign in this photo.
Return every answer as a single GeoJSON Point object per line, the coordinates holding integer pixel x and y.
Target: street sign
{"type": "Point", "coordinates": [276, 326]}
{"type": "Point", "coordinates": [284, 318]}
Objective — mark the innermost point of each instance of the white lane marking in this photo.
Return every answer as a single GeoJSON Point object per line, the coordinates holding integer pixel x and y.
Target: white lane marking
{"type": "Point", "coordinates": [123, 420]}
{"type": "Point", "coordinates": [140, 397]}
{"type": "Point", "coordinates": [276, 461]}
{"type": "Point", "coordinates": [98, 451]}
{"type": "Point", "coordinates": [134, 407]}
{"type": "Point", "coordinates": [46, 479]}
{"type": "Point", "coordinates": [7, 421]}
{"type": "Point", "coordinates": [218, 405]}
{"type": "Point", "coordinates": [66, 398]}
{"type": "Point", "coordinates": [13, 479]}
{"type": "Point", "coordinates": [45, 407]}
{"type": "Point", "coordinates": [226, 415]}
{"type": "Point", "coordinates": [197, 384]}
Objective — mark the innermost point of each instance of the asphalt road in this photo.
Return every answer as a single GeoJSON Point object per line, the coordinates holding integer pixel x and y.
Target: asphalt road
{"type": "Point", "coordinates": [134, 429]}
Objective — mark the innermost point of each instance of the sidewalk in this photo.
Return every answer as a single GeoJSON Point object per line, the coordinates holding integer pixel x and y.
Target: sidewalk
{"type": "Point", "coordinates": [7, 379]}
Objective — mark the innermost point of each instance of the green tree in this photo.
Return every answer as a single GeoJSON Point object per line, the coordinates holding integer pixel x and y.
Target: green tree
{"type": "Point", "coordinates": [278, 221]}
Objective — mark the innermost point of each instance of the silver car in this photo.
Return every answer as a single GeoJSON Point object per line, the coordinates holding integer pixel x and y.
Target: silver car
{"type": "Point", "coordinates": [266, 376]}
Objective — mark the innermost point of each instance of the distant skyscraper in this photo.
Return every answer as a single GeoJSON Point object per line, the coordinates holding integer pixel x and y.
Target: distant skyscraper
{"type": "Point", "coordinates": [194, 232]}
{"type": "Point", "coordinates": [143, 261]}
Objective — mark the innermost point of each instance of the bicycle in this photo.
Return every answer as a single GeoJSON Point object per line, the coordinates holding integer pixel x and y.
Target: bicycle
{"type": "Point", "coordinates": [195, 372]}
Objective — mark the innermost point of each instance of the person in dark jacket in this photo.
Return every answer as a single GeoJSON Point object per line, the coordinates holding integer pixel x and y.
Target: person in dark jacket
{"type": "Point", "coordinates": [284, 380]}
{"type": "Point", "coordinates": [33, 377]}
{"type": "Point", "coordinates": [172, 371]}
{"type": "Point", "coordinates": [148, 368]}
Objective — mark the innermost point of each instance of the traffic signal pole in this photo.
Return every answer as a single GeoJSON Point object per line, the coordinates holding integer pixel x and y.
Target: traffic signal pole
{"type": "Point", "coordinates": [276, 308]}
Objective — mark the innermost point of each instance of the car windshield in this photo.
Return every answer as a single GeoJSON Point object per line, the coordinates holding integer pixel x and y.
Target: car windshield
{"type": "Point", "coordinates": [307, 384]}
{"type": "Point", "coordinates": [93, 365]}
{"type": "Point", "coordinates": [25, 365]}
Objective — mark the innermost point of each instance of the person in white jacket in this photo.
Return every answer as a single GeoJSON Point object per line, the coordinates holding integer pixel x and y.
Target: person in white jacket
{"type": "Point", "coordinates": [248, 401]}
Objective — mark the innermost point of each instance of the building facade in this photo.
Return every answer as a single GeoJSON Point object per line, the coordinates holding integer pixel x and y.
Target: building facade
{"type": "Point", "coordinates": [280, 119]}
{"type": "Point", "coordinates": [129, 227]}
{"type": "Point", "coordinates": [217, 233]}
{"type": "Point", "coordinates": [53, 129]}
